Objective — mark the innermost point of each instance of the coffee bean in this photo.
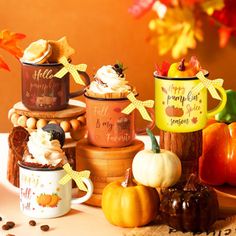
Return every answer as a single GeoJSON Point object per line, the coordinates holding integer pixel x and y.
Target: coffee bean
{"type": "Point", "coordinates": [6, 227]}
{"type": "Point", "coordinates": [10, 235]}
{"type": "Point", "coordinates": [0, 218]}
{"type": "Point", "coordinates": [32, 222]}
{"type": "Point", "coordinates": [11, 224]}
{"type": "Point", "coordinates": [44, 227]}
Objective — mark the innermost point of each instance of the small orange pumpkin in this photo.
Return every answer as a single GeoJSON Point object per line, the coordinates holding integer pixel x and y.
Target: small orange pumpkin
{"type": "Point", "coordinates": [184, 69]}
{"type": "Point", "coordinates": [127, 204]}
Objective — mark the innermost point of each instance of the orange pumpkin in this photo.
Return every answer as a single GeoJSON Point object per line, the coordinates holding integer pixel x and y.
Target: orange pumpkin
{"type": "Point", "coordinates": [217, 165]}
{"type": "Point", "coordinates": [127, 204]}
{"type": "Point", "coordinates": [184, 69]}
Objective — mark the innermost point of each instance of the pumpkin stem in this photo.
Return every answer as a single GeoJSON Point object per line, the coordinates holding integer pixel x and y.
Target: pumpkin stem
{"type": "Point", "coordinates": [155, 145]}
{"type": "Point", "coordinates": [181, 66]}
{"type": "Point", "coordinates": [191, 184]}
{"type": "Point", "coordinates": [128, 181]}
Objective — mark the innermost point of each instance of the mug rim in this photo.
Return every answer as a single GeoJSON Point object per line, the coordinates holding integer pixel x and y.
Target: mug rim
{"type": "Point", "coordinates": [44, 64]}
{"type": "Point", "coordinates": [37, 168]}
{"type": "Point", "coordinates": [156, 76]}
{"type": "Point", "coordinates": [107, 99]}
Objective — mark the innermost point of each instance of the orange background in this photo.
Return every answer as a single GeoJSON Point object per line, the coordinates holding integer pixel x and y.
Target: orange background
{"type": "Point", "coordinates": [101, 31]}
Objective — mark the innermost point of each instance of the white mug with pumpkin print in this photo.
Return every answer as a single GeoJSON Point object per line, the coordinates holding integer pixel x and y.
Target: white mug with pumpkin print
{"type": "Point", "coordinates": [41, 195]}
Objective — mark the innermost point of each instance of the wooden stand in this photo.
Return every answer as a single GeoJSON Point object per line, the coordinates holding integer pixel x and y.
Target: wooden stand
{"type": "Point", "coordinates": [187, 146]}
{"type": "Point", "coordinates": [72, 119]}
{"type": "Point", "coordinates": [106, 164]}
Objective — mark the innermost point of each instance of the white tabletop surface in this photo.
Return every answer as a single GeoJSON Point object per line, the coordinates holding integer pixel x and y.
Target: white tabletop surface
{"type": "Point", "coordinates": [82, 220]}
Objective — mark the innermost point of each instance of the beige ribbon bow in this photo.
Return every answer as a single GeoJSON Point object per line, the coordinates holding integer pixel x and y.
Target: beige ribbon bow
{"type": "Point", "coordinates": [76, 176]}
{"type": "Point", "coordinates": [73, 69]}
{"type": "Point", "coordinates": [140, 105]}
{"type": "Point", "coordinates": [209, 84]}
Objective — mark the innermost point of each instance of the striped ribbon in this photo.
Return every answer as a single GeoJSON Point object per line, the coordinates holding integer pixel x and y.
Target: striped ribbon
{"type": "Point", "coordinates": [209, 84]}
{"type": "Point", "coordinates": [72, 69]}
{"type": "Point", "coordinates": [76, 176]}
{"type": "Point", "coordinates": [140, 105]}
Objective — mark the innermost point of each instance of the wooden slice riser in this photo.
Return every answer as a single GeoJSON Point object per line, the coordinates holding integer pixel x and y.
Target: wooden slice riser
{"type": "Point", "coordinates": [106, 164]}
{"type": "Point", "coordinates": [72, 119]}
{"type": "Point", "coordinates": [187, 146]}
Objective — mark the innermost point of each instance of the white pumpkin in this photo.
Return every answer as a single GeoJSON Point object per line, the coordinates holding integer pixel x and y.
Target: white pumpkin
{"type": "Point", "coordinates": [156, 168]}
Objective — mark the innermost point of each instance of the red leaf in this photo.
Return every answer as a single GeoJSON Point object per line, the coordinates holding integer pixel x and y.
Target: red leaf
{"type": "Point", "coordinates": [195, 63]}
{"type": "Point", "coordinates": [140, 7]}
{"type": "Point", "coordinates": [3, 65]}
{"type": "Point", "coordinates": [174, 3]}
{"type": "Point", "coordinates": [224, 34]}
{"type": "Point", "coordinates": [163, 71]}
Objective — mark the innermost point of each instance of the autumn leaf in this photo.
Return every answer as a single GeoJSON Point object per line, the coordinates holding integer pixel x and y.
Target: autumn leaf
{"type": "Point", "coordinates": [224, 35]}
{"type": "Point", "coordinates": [177, 32]}
{"type": "Point", "coordinates": [9, 40]}
{"type": "Point", "coordinates": [209, 6]}
{"type": "Point", "coordinates": [3, 65]}
{"type": "Point", "coordinates": [183, 3]}
{"type": "Point", "coordinates": [163, 70]}
{"type": "Point", "coordinates": [140, 7]}
{"type": "Point", "coordinates": [226, 20]}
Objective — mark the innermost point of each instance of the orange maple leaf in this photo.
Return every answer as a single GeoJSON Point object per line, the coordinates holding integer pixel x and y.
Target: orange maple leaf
{"type": "Point", "coordinates": [9, 40]}
{"type": "Point", "coordinates": [4, 65]}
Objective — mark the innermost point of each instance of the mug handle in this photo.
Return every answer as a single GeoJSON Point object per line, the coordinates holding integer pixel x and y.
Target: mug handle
{"type": "Point", "coordinates": [89, 185]}
{"type": "Point", "coordinates": [222, 103]}
{"type": "Point", "coordinates": [81, 91]}
{"type": "Point", "coordinates": [150, 125]}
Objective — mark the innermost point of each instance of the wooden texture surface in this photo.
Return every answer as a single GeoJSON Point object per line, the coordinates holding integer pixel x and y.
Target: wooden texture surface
{"type": "Point", "coordinates": [106, 164]}
{"type": "Point", "coordinates": [72, 119]}
{"type": "Point", "coordinates": [187, 146]}
{"type": "Point", "coordinates": [74, 109]}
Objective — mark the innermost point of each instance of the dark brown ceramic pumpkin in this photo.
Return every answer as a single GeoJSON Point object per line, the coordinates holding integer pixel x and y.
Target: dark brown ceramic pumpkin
{"type": "Point", "coordinates": [192, 206]}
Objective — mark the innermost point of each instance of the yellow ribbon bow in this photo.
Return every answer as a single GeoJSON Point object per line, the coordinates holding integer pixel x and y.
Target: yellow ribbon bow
{"type": "Point", "coordinates": [140, 105]}
{"type": "Point", "coordinates": [76, 176]}
{"type": "Point", "coordinates": [73, 69]}
{"type": "Point", "coordinates": [209, 84]}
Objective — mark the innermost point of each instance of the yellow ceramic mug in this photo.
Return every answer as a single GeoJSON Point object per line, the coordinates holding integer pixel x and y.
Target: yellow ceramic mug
{"type": "Point", "coordinates": [177, 109]}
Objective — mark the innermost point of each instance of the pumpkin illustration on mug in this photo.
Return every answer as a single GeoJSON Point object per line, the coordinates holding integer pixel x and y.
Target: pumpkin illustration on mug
{"type": "Point", "coordinates": [48, 200]}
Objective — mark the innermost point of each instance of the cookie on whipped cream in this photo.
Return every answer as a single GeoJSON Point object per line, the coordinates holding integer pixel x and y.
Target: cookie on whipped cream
{"type": "Point", "coordinates": [42, 151]}
{"type": "Point", "coordinates": [37, 52]}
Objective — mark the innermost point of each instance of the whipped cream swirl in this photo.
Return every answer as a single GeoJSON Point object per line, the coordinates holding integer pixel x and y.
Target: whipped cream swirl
{"type": "Point", "coordinates": [44, 151]}
{"type": "Point", "coordinates": [107, 80]}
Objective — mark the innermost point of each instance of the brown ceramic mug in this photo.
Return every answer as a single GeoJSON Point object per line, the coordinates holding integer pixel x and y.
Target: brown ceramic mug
{"type": "Point", "coordinates": [42, 91]}
{"type": "Point", "coordinates": [108, 126]}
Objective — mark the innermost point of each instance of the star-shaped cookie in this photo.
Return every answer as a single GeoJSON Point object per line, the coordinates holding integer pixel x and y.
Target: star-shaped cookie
{"type": "Point", "coordinates": [60, 48]}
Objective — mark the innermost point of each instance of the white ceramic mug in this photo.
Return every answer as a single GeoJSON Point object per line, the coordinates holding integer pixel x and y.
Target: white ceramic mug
{"type": "Point", "coordinates": [41, 195]}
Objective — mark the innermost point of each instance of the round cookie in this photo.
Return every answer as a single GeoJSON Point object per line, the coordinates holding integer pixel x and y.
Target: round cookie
{"type": "Point", "coordinates": [56, 131]}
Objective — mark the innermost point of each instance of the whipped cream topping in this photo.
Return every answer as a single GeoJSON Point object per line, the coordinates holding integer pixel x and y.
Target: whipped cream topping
{"type": "Point", "coordinates": [107, 80]}
{"type": "Point", "coordinates": [43, 150]}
